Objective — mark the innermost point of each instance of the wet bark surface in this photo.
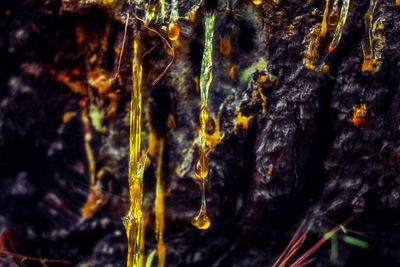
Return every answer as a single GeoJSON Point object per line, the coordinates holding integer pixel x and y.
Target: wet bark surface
{"type": "Point", "coordinates": [300, 157]}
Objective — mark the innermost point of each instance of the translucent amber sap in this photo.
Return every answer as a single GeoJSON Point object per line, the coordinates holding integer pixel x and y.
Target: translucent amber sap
{"type": "Point", "coordinates": [200, 219]}
{"type": "Point", "coordinates": [173, 30]}
{"type": "Point", "coordinates": [201, 167]}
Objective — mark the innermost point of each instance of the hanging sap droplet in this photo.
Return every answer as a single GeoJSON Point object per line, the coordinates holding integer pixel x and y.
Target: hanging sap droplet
{"type": "Point", "coordinates": [173, 30]}
{"type": "Point", "coordinates": [257, 2]}
{"type": "Point", "coordinates": [201, 220]}
{"type": "Point", "coordinates": [201, 167]}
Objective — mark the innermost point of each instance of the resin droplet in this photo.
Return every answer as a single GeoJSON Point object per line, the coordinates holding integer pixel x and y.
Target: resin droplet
{"type": "Point", "coordinates": [201, 167]}
{"type": "Point", "coordinates": [359, 114]}
{"type": "Point", "coordinates": [257, 2]}
{"type": "Point", "coordinates": [173, 30]}
{"type": "Point", "coordinates": [201, 220]}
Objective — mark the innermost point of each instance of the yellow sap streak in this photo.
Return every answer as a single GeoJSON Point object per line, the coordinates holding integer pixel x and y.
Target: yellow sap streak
{"type": "Point", "coordinates": [87, 139]}
{"type": "Point", "coordinates": [324, 23]}
{"type": "Point", "coordinates": [90, 158]}
{"type": "Point", "coordinates": [339, 28]}
{"type": "Point", "coordinates": [366, 43]}
{"type": "Point", "coordinates": [133, 219]}
{"type": "Point", "coordinates": [159, 207]}
{"type": "Point", "coordinates": [201, 166]}
{"type": "Point", "coordinates": [206, 65]}
{"type": "Point", "coordinates": [264, 99]}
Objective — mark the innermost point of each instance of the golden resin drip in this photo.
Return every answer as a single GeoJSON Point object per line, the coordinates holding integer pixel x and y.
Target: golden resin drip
{"type": "Point", "coordinates": [339, 28]}
{"type": "Point", "coordinates": [159, 209]}
{"type": "Point", "coordinates": [200, 219]}
{"type": "Point", "coordinates": [367, 45]}
{"type": "Point", "coordinates": [173, 30]}
{"type": "Point", "coordinates": [324, 23]}
{"type": "Point", "coordinates": [257, 2]}
{"type": "Point", "coordinates": [133, 219]}
{"type": "Point", "coordinates": [201, 165]}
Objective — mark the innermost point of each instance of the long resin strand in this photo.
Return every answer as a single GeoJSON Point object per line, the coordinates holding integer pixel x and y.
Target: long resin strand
{"type": "Point", "coordinates": [200, 219]}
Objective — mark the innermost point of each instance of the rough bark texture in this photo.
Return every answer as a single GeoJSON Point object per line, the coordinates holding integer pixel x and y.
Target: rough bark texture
{"type": "Point", "coordinates": [300, 157]}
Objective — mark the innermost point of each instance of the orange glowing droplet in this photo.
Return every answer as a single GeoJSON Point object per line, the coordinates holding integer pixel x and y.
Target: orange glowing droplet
{"type": "Point", "coordinates": [201, 220]}
{"type": "Point", "coordinates": [173, 30]}
{"type": "Point", "coordinates": [359, 114]}
{"type": "Point", "coordinates": [201, 167]}
{"type": "Point", "coordinates": [257, 2]}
